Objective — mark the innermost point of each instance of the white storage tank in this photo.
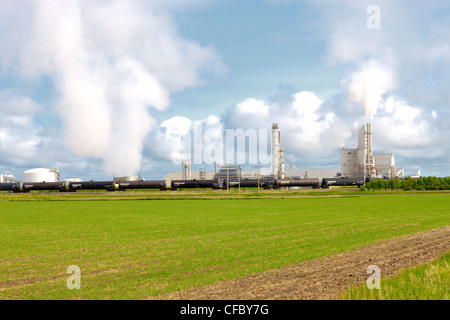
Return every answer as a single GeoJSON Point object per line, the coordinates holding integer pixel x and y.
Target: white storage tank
{"type": "Point", "coordinates": [41, 175]}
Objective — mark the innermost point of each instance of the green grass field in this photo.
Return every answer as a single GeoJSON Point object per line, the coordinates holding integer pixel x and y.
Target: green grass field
{"type": "Point", "coordinates": [426, 282]}
{"type": "Point", "coordinates": [249, 193]}
{"type": "Point", "coordinates": [133, 249]}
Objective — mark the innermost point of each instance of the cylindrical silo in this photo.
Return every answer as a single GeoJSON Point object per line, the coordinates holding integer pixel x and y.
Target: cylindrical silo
{"type": "Point", "coordinates": [275, 149]}
{"type": "Point", "coordinates": [41, 175]}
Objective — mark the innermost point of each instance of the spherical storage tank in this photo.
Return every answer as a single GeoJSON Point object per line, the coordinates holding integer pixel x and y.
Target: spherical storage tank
{"type": "Point", "coordinates": [40, 175]}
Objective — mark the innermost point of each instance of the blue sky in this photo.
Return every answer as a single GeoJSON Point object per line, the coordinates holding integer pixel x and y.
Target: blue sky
{"type": "Point", "coordinates": [264, 45]}
{"type": "Point", "coordinates": [103, 88]}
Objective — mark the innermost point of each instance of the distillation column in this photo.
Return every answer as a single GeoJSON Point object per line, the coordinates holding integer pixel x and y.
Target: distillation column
{"type": "Point", "coordinates": [275, 150]}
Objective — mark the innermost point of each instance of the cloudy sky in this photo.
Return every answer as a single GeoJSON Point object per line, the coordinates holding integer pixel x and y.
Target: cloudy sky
{"type": "Point", "coordinates": [100, 88]}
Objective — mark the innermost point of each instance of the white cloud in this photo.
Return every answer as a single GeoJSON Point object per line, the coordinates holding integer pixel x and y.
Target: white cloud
{"type": "Point", "coordinates": [12, 103]}
{"type": "Point", "coordinates": [403, 126]}
{"type": "Point", "coordinates": [19, 139]}
{"type": "Point", "coordinates": [309, 122]}
{"type": "Point", "coordinates": [434, 114]}
{"type": "Point", "coordinates": [250, 105]}
{"type": "Point", "coordinates": [168, 143]}
{"type": "Point", "coordinates": [306, 103]}
{"type": "Point", "coordinates": [177, 126]}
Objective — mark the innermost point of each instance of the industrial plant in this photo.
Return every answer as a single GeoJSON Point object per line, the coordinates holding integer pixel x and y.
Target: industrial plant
{"type": "Point", "coordinates": [358, 166]}
{"type": "Point", "coordinates": [361, 162]}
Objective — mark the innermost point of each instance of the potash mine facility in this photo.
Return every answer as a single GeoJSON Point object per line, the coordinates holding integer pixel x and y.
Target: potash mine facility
{"type": "Point", "coordinates": [358, 166]}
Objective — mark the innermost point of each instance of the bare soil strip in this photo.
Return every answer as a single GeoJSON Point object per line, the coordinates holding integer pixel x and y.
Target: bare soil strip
{"type": "Point", "coordinates": [325, 277]}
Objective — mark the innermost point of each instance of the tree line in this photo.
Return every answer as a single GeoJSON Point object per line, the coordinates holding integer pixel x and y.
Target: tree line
{"type": "Point", "coordinates": [424, 183]}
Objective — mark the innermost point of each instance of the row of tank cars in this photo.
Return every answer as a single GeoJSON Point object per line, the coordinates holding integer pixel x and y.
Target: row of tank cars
{"type": "Point", "coordinates": [265, 183]}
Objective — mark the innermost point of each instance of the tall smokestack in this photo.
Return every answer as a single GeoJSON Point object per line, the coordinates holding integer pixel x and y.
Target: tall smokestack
{"type": "Point", "coordinates": [365, 143]}
{"type": "Point", "coordinates": [275, 149]}
{"type": "Point", "coordinates": [281, 161]}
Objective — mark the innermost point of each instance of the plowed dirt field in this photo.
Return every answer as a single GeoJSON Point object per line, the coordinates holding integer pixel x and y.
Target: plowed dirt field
{"type": "Point", "coordinates": [325, 277]}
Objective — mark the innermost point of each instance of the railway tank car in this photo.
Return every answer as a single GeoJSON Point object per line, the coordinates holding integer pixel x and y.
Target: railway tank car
{"type": "Point", "coordinates": [92, 185]}
{"type": "Point", "coordinates": [43, 186]}
{"type": "Point", "coordinates": [192, 184]}
{"type": "Point", "coordinates": [312, 182]}
{"type": "Point", "coordinates": [247, 183]}
{"type": "Point", "coordinates": [151, 184]}
{"type": "Point", "coordinates": [14, 187]}
{"type": "Point", "coordinates": [342, 181]}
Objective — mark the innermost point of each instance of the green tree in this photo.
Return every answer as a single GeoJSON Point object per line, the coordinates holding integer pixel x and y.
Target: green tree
{"type": "Point", "coordinates": [408, 184]}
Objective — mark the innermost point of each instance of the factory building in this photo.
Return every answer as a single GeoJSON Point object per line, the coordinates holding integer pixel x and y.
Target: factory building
{"type": "Point", "coordinates": [320, 174]}
{"type": "Point", "coordinates": [203, 175]}
{"type": "Point", "coordinates": [229, 172]}
{"type": "Point", "coordinates": [356, 163]}
{"type": "Point", "coordinates": [361, 162]}
{"type": "Point", "coordinates": [385, 166]}
{"type": "Point", "coordinates": [8, 178]}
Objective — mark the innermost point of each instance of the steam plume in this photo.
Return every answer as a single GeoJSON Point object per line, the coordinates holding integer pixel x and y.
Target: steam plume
{"type": "Point", "coordinates": [368, 85]}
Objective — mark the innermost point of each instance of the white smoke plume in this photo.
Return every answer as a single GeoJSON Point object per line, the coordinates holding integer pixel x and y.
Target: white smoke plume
{"type": "Point", "coordinates": [110, 61]}
{"type": "Point", "coordinates": [368, 85]}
